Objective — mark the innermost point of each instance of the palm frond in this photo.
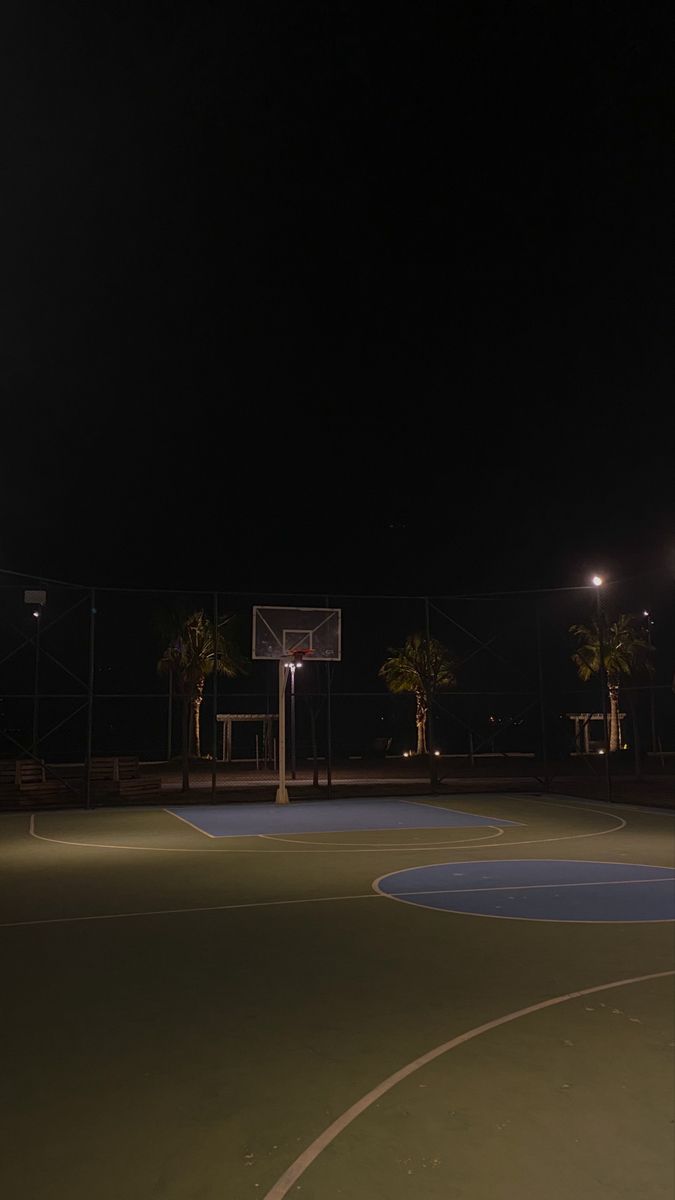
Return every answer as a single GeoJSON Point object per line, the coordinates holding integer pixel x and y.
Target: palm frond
{"type": "Point", "coordinates": [421, 665]}
{"type": "Point", "coordinates": [196, 649]}
{"type": "Point", "coordinates": [624, 648]}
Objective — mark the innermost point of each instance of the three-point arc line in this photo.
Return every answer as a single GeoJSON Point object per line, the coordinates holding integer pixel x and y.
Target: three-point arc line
{"type": "Point", "coordinates": [308, 1156]}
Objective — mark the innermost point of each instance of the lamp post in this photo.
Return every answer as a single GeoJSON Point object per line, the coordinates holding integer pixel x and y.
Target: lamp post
{"type": "Point", "coordinates": [37, 613]}
{"type": "Point", "coordinates": [38, 598]}
{"type": "Point", "coordinates": [286, 666]}
{"type": "Point", "coordinates": [292, 669]}
{"type": "Point", "coordinates": [597, 583]}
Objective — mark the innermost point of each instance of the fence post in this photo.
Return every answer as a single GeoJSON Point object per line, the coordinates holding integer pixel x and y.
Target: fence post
{"type": "Point", "coordinates": [542, 705]}
{"type": "Point", "coordinates": [329, 729]}
{"type": "Point", "coordinates": [433, 772]}
{"type": "Point", "coordinates": [90, 697]}
{"type": "Point", "coordinates": [169, 720]}
{"type": "Point", "coordinates": [214, 715]}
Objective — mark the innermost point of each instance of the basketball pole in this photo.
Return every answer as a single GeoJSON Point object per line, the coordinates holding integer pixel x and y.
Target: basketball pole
{"type": "Point", "coordinates": [282, 791]}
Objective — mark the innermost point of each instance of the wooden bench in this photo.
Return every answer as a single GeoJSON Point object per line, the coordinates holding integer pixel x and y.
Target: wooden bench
{"type": "Point", "coordinates": [114, 769]}
{"type": "Point", "coordinates": [27, 771]}
{"type": "Point", "coordinates": [8, 780]}
{"type": "Point", "coordinates": [33, 783]}
{"type": "Point", "coordinates": [123, 777]}
{"type": "Point", "coordinates": [7, 776]}
{"type": "Point", "coordinates": [130, 788]}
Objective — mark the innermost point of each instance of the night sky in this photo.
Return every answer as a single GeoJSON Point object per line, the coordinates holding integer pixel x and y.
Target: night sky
{"type": "Point", "coordinates": [328, 297]}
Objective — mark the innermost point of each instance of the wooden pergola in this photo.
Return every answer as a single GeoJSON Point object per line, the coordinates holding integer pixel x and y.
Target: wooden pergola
{"type": "Point", "coordinates": [265, 719]}
{"type": "Point", "coordinates": [582, 730]}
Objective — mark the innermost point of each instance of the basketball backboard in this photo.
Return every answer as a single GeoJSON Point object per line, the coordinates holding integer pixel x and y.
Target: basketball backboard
{"type": "Point", "coordinates": [278, 632]}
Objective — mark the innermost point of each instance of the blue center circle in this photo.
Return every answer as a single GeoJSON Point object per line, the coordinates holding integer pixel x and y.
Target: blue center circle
{"type": "Point", "coordinates": [539, 889]}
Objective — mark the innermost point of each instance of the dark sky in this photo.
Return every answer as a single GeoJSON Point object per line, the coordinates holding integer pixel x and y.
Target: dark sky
{"type": "Point", "coordinates": [328, 297]}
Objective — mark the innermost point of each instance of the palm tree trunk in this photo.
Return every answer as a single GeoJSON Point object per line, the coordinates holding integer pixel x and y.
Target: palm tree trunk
{"type": "Point", "coordinates": [196, 717]}
{"type": "Point", "coordinates": [421, 721]}
{"type": "Point", "coordinates": [613, 689]}
{"type": "Point", "coordinates": [185, 748]}
{"type": "Point", "coordinates": [196, 727]}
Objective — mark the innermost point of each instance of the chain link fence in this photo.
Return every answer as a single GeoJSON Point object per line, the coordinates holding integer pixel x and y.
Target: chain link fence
{"type": "Point", "coordinates": [79, 682]}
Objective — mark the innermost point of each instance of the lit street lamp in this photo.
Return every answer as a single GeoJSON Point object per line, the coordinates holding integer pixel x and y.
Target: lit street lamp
{"type": "Point", "coordinates": [293, 667]}
{"type": "Point", "coordinates": [38, 599]}
{"type": "Point", "coordinates": [286, 666]}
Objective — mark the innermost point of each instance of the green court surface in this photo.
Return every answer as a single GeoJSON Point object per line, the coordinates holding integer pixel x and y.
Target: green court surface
{"type": "Point", "coordinates": [187, 1017]}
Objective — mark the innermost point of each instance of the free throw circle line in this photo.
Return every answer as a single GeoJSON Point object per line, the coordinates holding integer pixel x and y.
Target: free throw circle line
{"type": "Point", "coordinates": [462, 912]}
{"type": "Point", "coordinates": [297, 1168]}
{"type": "Point", "coordinates": [274, 837]}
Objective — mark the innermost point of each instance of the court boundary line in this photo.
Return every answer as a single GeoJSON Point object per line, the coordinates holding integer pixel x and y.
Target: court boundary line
{"type": "Point", "coordinates": [304, 1160]}
{"type": "Point", "coordinates": [171, 912]}
{"type": "Point", "coordinates": [640, 808]}
{"type": "Point", "coordinates": [441, 808]}
{"type": "Point", "coordinates": [170, 813]}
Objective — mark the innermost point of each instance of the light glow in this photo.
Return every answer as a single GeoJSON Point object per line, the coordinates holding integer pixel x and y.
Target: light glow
{"type": "Point", "coordinates": [597, 581]}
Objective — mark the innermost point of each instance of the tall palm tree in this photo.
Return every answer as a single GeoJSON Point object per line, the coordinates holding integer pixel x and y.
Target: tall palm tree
{"type": "Point", "coordinates": [625, 649]}
{"type": "Point", "coordinates": [193, 652]}
{"type": "Point", "coordinates": [423, 666]}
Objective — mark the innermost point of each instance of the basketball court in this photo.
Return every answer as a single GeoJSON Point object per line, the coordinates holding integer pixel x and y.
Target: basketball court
{"type": "Point", "coordinates": [455, 998]}
{"type": "Point", "coordinates": [376, 999]}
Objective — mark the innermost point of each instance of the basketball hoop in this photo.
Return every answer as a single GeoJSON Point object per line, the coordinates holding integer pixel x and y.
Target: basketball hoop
{"type": "Point", "coordinates": [293, 636]}
{"type": "Point", "coordinates": [297, 658]}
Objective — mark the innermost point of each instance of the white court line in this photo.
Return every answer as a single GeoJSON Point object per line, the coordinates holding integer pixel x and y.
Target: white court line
{"type": "Point", "coordinates": [283, 1185]}
{"type": "Point", "coordinates": [586, 862]}
{"type": "Point", "coordinates": [567, 837]}
{"type": "Point", "coordinates": [405, 847]}
{"type": "Point", "coordinates": [365, 829]}
{"type": "Point", "coordinates": [510, 916]}
{"type": "Point", "coordinates": [170, 813]}
{"type": "Point", "coordinates": [570, 837]}
{"type": "Point", "coordinates": [525, 887]}
{"type": "Point", "coordinates": [273, 837]}
{"type": "Point", "coordinates": [442, 808]}
{"type": "Point", "coordinates": [121, 846]}
{"type": "Point", "coordinates": [641, 808]}
{"type": "Point", "coordinates": [169, 912]}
